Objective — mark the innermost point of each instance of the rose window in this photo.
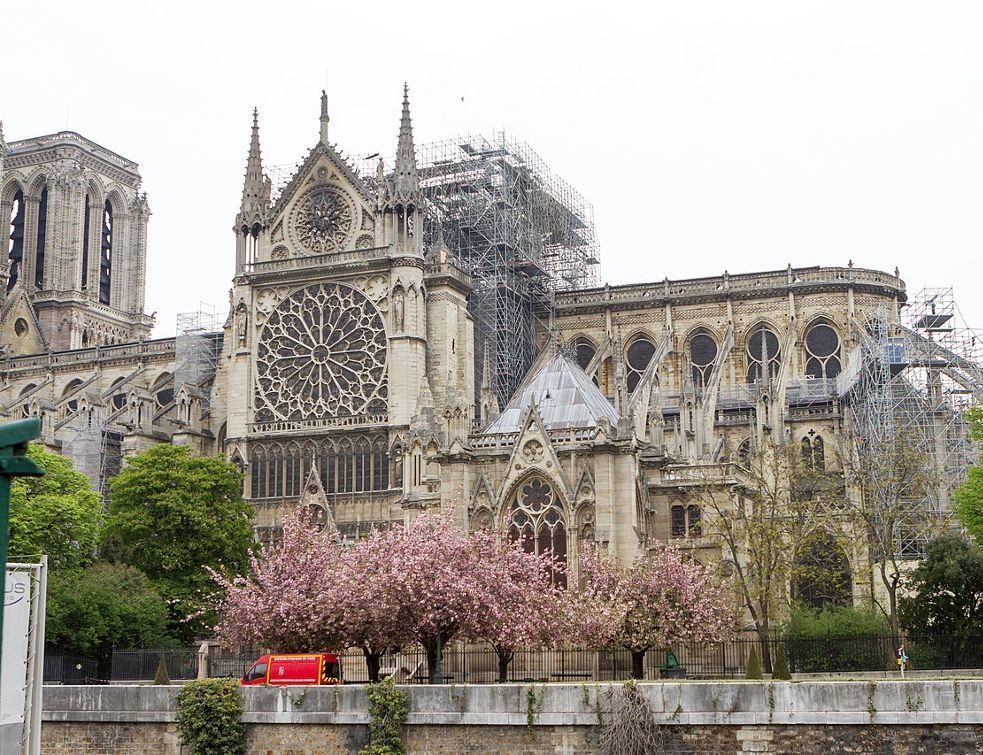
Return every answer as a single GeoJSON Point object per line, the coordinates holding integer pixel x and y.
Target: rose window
{"type": "Point", "coordinates": [322, 220]}
{"type": "Point", "coordinates": [321, 353]}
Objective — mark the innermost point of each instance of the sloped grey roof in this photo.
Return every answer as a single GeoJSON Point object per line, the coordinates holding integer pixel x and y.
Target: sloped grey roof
{"type": "Point", "coordinates": [564, 396]}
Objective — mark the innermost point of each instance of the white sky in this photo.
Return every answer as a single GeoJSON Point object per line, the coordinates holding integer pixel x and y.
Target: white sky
{"type": "Point", "coordinates": [707, 135]}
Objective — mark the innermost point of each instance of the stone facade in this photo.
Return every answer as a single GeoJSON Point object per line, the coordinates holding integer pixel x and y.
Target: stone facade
{"type": "Point", "coordinates": [348, 354]}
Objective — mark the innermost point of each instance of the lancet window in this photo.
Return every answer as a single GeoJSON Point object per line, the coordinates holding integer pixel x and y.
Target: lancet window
{"type": "Point", "coordinates": [814, 452]}
{"type": "Point", "coordinates": [15, 251]}
{"type": "Point", "coordinates": [41, 239]}
{"type": "Point", "coordinates": [584, 351]}
{"type": "Point", "coordinates": [685, 521]}
{"type": "Point", "coordinates": [106, 255]}
{"type": "Point", "coordinates": [344, 466]}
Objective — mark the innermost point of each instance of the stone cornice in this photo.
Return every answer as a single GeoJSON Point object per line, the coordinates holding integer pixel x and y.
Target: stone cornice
{"type": "Point", "coordinates": [735, 287]}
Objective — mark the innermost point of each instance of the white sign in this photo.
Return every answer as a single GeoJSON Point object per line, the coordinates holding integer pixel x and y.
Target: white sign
{"type": "Point", "coordinates": [13, 669]}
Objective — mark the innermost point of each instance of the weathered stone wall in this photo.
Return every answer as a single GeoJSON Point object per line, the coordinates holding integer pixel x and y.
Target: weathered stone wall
{"type": "Point", "coordinates": [804, 717]}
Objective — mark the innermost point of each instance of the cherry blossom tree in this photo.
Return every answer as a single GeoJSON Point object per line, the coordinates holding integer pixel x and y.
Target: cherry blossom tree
{"type": "Point", "coordinates": [522, 598]}
{"type": "Point", "coordinates": [288, 600]}
{"type": "Point", "coordinates": [661, 599]}
{"type": "Point", "coordinates": [441, 587]}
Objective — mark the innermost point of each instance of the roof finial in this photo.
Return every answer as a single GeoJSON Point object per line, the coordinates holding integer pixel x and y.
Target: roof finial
{"type": "Point", "coordinates": [324, 117]}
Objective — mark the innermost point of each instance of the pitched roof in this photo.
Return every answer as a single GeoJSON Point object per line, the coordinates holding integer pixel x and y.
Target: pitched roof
{"type": "Point", "coordinates": [564, 396]}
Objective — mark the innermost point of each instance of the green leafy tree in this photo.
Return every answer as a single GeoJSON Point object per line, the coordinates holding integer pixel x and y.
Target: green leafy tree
{"type": "Point", "coordinates": [104, 605]}
{"type": "Point", "coordinates": [171, 515]}
{"type": "Point", "coordinates": [58, 514]}
{"type": "Point", "coordinates": [969, 495]}
{"type": "Point", "coordinates": [946, 590]}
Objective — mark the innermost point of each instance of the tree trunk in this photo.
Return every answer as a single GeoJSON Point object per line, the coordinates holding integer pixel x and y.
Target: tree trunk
{"type": "Point", "coordinates": [372, 663]}
{"type": "Point", "coordinates": [764, 639]}
{"type": "Point", "coordinates": [431, 647]}
{"type": "Point", "coordinates": [638, 664]}
{"type": "Point", "coordinates": [505, 656]}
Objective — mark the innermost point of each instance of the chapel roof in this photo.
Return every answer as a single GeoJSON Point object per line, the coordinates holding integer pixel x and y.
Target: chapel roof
{"type": "Point", "coordinates": [564, 396]}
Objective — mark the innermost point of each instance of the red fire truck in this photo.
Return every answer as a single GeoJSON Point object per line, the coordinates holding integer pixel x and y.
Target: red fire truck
{"type": "Point", "coordinates": [296, 669]}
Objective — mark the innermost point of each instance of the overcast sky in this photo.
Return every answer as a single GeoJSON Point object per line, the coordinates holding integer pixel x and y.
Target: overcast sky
{"type": "Point", "coordinates": [707, 135]}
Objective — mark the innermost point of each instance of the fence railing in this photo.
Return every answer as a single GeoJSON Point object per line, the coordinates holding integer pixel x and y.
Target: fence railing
{"type": "Point", "coordinates": [477, 663]}
{"type": "Point", "coordinates": [70, 669]}
{"type": "Point", "coordinates": [141, 665]}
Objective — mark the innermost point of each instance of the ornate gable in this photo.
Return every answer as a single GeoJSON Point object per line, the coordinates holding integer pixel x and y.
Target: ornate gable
{"type": "Point", "coordinates": [20, 331]}
{"type": "Point", "coordinates": [325, 208]}
{"type": "Point", "coordinates": [533, 452]}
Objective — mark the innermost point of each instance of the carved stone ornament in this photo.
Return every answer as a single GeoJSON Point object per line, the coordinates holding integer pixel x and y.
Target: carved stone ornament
{"type": "Point", "coordinates": [322, 220]}
{"type": "Point", "coordinates": [322, 353]}
{"type": "Point", "coordinates": [533, 452]}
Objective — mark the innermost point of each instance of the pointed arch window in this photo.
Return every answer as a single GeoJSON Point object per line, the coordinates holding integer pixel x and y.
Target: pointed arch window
{"type": "Point", "coordinates": [822, 352]}
{"type": "Point", "coordinates": [637, 357]}
{"type": "Point", "coordinates": [685, 521]}
{"type": "Point", "coordinates": [42, 235]}
{"type": "Point", "coordinates": [702, 353]}
{"type": "Point", "coordinates": [763, 354]}
{"type": "Point", "coordinates": [536, 519]}
{"type": "Point", "coordinates": [15, 250]}
{"type": "Point", "coordinates": [814, 452]}
{"type": "Point", "coordinates": [584, 351]}
{"type": "Point", "coordinates": [106, 252]}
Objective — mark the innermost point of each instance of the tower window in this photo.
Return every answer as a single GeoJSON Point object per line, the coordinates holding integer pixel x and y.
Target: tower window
{"type": "Point", "coordinates": [106, 253]}
{"type": "Point", "coordinates": [42, 233]}
{"type": "Point", "coordinates": [83, 284]}
{"type": "Point", "coordinates": [15, 251]}
{"type": "Point", "coordinates": [685, 521]}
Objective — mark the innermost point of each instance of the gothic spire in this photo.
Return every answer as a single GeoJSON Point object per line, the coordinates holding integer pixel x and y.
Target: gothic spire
{"type": "Point", "coordinates": [406, 183]}
{"type": "Point", "coordinates": [255, 199]}
{"type": "Point", "coordinates": [324, 117]}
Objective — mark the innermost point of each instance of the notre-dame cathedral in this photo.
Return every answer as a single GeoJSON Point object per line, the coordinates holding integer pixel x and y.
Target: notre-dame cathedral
{"type": "Point", "coordinates": [346, 374]}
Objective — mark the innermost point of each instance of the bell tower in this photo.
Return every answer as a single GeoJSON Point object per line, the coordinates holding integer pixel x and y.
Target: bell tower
{"type": "Point", "coordinates": [76, 230]}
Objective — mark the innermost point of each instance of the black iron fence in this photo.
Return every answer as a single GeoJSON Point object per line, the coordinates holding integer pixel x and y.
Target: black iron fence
{"type": "Point", "coordinates": [141, 665]}
{"type": "Point", "coordinates": [477, 663]}
{"type": "Point", "coordinates": [70, 669]}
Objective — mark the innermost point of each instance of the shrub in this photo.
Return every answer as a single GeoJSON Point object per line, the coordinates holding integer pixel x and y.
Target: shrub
{"type": "Point", "coordinates": [388, 709]}
{"type": "Point", "coordinates": [838, 639]}
{"type": "Point", "coordinates": [209, 717]}
{"type": "Point", "coordinates": [162, 677]}
{"type": "Point", "coordinates": [753, 665]}
{"type": "Point", "coordinates": [781, 672]}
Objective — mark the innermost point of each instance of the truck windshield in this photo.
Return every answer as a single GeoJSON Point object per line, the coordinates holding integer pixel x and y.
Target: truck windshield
{"type": "Point", "coordinates": [256, 672]}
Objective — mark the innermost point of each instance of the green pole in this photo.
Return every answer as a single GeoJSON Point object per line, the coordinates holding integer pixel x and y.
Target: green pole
{"type": "Point", "coordinates": [14, 437]}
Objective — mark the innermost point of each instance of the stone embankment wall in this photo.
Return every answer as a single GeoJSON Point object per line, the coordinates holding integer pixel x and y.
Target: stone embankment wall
{"type": "Point", "coordinates": [939, 716]}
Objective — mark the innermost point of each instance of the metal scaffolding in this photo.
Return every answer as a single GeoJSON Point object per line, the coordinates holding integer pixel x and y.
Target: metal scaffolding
{"type": "Point", "coordinates": [197, 347]}
{"type": "Point", "coordinates": [915, 379]}
{"type": "Point", "coordinates": [522, 232]}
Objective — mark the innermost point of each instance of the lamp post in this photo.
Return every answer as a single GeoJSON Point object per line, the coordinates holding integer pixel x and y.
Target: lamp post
{"type": "Point", "coordinates": [14, 437]}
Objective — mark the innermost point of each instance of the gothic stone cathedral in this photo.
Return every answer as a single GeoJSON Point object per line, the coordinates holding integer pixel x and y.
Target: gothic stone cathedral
{"type": "Point", "coordinates": [345, 374]}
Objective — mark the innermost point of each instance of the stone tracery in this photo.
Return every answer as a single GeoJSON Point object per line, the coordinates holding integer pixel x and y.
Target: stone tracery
{"type": "Point", "coordinates": [322, 354]}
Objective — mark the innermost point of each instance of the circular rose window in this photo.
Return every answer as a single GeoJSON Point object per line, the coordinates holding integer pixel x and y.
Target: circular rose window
{"type": "Point", "coordinates": [321, 221]}
{"type": "Point", "coordinates": [322, 353]}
